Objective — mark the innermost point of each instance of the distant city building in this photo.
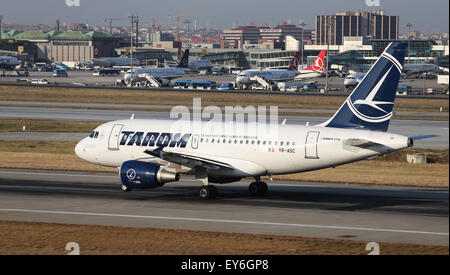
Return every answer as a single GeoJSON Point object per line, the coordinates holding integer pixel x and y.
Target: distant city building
{"type": "Point", "coordinates": [376, 25]}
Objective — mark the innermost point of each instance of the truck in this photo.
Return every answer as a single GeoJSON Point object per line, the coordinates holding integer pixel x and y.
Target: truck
{"type": "Point", "coordinates": [403, 90]}
{"type": "Point", "coordinates": [59, 73]}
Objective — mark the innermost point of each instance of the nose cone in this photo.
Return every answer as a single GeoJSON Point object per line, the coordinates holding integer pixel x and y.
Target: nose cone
{"type": "Point", "coordinates": [240, 79]}
{"type": "Point", "coordinates": [80, 148]}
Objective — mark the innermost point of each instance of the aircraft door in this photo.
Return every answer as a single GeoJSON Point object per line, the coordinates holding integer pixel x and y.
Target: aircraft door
{"type": "Point", "coordinates": [113, 143]}
{"type": "Point", "coordinates": [311, 145]}
{"type": "Point", "coordinates": [194, 142]}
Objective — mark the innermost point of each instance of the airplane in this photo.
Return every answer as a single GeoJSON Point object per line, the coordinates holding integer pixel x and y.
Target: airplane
{"type": "Point", "coordinates": [114, 61]}
{"type": "Point", "coordinates": [197, 64]}
{"type": "Point", "coordinates": [162, 75]}
{"type": "Point", "coordinates": [150, 153]}
{"type": "Point", "coordinates": [276, 75]}
{"type": "Point", "coordinates": [200, 65]}
{"type": "Point", "coordinates": [412, 69]}
{"type": "Point", "coordinates": [352, 80]}
{"type": "Point", "coordinates": [9, 62]}
{"type": "Point", "coordinates": [317, 69]}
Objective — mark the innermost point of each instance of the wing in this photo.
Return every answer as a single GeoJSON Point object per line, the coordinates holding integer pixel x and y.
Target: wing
{"type": "Point", "coordinates": [188, 159]}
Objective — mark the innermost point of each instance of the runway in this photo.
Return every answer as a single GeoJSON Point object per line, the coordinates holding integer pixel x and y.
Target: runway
{"type": "Point", "coordinates": [403, 127]}
{"type": "Point", "coordinates": [368, 213]}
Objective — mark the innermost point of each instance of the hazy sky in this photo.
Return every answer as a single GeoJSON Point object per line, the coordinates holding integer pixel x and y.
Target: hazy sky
{"type": "Point", "coordinates": [425, 15]}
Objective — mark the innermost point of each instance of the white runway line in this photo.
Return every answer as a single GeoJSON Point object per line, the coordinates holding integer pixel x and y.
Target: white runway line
{"type": "Point", "coordinates": [225, 221]}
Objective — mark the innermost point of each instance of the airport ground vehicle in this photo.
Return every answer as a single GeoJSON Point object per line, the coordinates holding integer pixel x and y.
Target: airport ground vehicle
{"type": "Point", "coordinates": [227, 86]}
{"type": "Point", "coordinates": [39, 81]}
{"type": "Point", "coordinates": [403, 90]}
{"type": "Point", "coordinates": [198, 85]}
{"type": "Point", "coordinates": [106, 72]}
{"type": "Point", "coordinates": [59, 73]}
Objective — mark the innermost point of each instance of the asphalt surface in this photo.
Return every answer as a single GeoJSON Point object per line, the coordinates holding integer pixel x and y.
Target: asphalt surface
{"type": "Point", "coordinates": [368, 213]}
{"type": "Point", "coordinates": [403, 127]}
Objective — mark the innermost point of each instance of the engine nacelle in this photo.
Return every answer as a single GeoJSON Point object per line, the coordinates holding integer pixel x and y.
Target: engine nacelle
{"type": "Point", "coordinates": [145, 175]}
{"type": "Point", "coordinates": [164, 82]}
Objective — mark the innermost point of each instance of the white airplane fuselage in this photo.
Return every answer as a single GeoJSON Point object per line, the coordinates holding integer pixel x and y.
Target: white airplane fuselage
{"type": "Point", "coordinates": [268, 74]}
{"type": "Point", "coordinates": [289, 149]}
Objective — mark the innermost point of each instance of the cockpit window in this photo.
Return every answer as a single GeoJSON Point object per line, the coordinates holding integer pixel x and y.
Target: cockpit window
{"type": "Point", "coordinates": [94, 134]}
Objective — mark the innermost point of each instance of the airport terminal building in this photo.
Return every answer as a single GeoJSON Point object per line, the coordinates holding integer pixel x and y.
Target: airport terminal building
{"type": "Point", "coordinates": [61, 46]}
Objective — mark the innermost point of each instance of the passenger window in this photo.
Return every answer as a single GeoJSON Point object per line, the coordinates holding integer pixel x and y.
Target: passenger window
{"type": "Point", "coordinates": [264, 142]}
{"type": "Point", "coordinates": [281, 143]}
{"type": "Point", "coordinates": [287, 143]}
{"type": "Point", "coordinates": [246, 142]}
{"type": "Point", "coordinates": [253, 142]}
{"type": "Point", "coordinates": [242, 142]}
{"type": "Point", "coordinates": [259, 142]}
{"type": "Point", "coordinates": [212, 140]}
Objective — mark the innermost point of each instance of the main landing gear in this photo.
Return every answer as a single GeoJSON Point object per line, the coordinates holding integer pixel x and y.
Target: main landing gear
{"type": "Point", "coordinates": [208, 192]}
{"type": "Point", "coordinates": [258, 188]}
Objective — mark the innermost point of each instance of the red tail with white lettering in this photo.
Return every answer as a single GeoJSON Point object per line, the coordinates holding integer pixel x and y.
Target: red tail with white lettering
{"type": "Point", "coordinates": [319, 63]}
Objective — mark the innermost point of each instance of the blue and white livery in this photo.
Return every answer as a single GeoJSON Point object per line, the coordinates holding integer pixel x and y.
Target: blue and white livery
{"type": "Point", "coordinates": [150, 153]}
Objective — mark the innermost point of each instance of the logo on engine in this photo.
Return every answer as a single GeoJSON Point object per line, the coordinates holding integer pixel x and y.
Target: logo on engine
{"type": "Point", "coordinates": [131, 174]}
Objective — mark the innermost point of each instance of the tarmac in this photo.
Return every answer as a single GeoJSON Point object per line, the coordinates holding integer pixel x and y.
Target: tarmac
{"type": "Point", "coordinates": [368, 213]}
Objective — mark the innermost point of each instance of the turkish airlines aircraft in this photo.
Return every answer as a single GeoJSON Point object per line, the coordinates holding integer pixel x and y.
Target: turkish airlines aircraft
{"type": "Point", "coordinates": [292, 73]}
{"type": "Point", "coordinates": [317, 69]}
{"type": "Point", "coordinates": [150, 153]}
{"type": "Point", "coordinates": [271, 75]}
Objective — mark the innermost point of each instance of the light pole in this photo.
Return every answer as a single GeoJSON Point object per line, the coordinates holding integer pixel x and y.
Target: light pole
{"type": "Point", "coordinates": [303, 24]}
{"type": "Point", "coordinates": [329, 25]}
{"type": "Point", "coordinates": [188, 22]}
{"type": "Point", "coordinates": [409, 25]}
{"type": "Point", "coordinates": [133, 19]}
{"type": "Point", "coordinates": [1, 18]}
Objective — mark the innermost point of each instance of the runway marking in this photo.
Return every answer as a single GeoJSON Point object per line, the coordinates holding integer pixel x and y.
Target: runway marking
{"type": "Point", "coordinates": [225, 221]}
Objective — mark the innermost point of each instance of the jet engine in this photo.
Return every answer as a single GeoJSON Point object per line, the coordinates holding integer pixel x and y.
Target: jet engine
{"type": "Point", "coordinates": [164, 82]}
{"type": "Point", "coordinates": [145, 175]}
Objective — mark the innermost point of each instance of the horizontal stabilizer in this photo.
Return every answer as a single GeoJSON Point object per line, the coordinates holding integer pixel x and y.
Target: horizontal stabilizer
{"type": "Point", "coordinates": [423, 137]}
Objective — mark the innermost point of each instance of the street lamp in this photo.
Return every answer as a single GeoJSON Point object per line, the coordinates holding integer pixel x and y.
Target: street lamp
{"type": "Point", "coordinates": [303, 24]}
{"type": "Point", "coordinates": [188, 22]}
{"type": "Point", "coordinates": [1, 18]}
{"type": "Point", "coordinates": [133, 19]}
{"type": "Point", "coordinates": [330, 20]}
{"type": "Point", "coordinates": [409, 25]}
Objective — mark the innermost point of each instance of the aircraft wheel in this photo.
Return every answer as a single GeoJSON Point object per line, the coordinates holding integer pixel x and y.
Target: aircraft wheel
{"type": "Point", "coordinates": [125, 188]}
{"type": "Point", "coordinates": [208, 192]}
{"type": "Point", "coordinates": [258, 188]}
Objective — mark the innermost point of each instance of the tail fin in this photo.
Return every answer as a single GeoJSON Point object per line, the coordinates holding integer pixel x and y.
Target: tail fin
{"type": "Point", "coordinates": [319, 63]}
{"type": "Point", "coordinates": [294, 63]}
{"type": "Point", "coordinates": [370, 105]}
{"type": "Point", "coordinates": [184, 62]}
